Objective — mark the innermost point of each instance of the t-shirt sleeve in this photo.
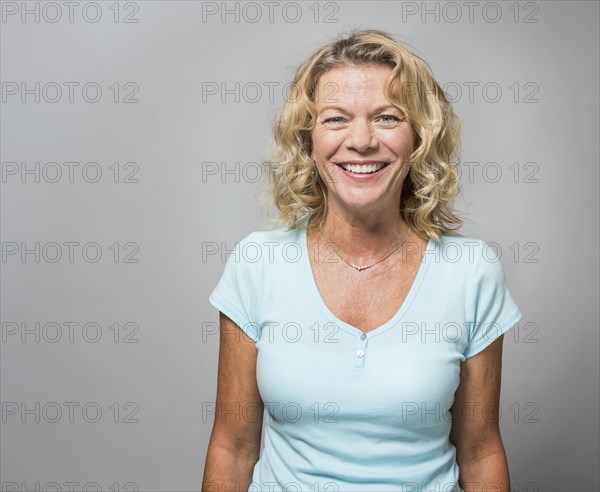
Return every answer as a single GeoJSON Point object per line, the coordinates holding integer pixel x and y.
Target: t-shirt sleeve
{"type": "Point", "coordinates": [491, 308]}
{"type": "Point", "coordinates": [238, 293]}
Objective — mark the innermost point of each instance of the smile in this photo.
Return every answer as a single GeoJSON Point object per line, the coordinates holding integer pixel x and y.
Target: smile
{"type": "Point", "coordinates": [368, 168]}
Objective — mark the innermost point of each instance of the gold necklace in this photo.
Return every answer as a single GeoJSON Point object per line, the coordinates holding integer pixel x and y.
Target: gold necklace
{"type": "Point", "coordinates": [360, 268]}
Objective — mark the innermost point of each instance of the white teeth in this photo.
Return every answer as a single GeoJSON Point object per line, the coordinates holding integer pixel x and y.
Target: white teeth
{"type": "Point", "coordinates": [362, 168]}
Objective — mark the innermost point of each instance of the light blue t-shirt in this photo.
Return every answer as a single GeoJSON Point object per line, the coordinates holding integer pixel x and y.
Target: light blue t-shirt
{"type": "Point", "coordinates": [352, 411]}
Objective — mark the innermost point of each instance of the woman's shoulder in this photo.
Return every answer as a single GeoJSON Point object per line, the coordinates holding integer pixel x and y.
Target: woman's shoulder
{"type": "Point", "coordinates": [472, 257]}
{"type": "Point", "coordinates": [264, 243]}
{"type": "Point", "coordinates": [277, 231]}
{"type": "Point", "coordinates": [458, 248]}
{"type": "Point", "coordinates": [450, 240]}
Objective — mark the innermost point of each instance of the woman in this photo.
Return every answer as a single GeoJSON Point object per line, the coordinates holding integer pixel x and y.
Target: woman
{"type": "Point", "coordinates": [369, 332]}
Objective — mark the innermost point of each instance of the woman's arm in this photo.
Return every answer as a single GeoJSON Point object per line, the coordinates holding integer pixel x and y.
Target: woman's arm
{"type": "Point", "coordinates": [234, 444]}
{"type": "Point", "coordinates": [476, 424]}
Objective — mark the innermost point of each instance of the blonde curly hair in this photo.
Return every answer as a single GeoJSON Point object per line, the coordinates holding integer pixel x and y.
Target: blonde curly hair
{"type": "Point", "coordinates": [429, 189]}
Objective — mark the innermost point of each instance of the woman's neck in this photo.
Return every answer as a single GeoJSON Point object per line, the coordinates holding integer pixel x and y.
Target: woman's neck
{"type": "Point", "coordinates": [362, 236]}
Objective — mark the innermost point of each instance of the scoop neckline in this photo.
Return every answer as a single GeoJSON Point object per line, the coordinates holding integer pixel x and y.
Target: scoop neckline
{"type": "Point", "coordinates": [399, 314]}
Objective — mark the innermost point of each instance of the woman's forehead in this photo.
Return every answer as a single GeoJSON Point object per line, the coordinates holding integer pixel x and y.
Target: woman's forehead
{"type": "Point", "coordinates": [353, 84]}
{"type": "Point", "coordinates": [354, 74]}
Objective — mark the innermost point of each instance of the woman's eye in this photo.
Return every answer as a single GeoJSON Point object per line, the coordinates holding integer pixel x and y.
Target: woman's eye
{"type": "Point", "coordinates": [385, 121]}
{"type": "Point", "coordinates": [334, 119]}
{"type": "Point", "coordinates": [389, 120]}
{"type": "Point", "coordinates": [389, 117]}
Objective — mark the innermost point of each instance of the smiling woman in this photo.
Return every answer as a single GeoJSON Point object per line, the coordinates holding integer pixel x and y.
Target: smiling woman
{"type": "Point", "coordinates": [401, 82]}
{"type": "Point", "coordinates": [368, 348]}
{"type": "Point", "coordinates": [364, 141]}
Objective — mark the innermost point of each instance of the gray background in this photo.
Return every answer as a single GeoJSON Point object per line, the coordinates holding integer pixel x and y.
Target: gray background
{"type": "Point", "coordinates": [542, 55]}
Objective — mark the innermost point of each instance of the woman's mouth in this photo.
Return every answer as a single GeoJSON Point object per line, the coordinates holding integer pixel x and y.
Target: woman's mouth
{"type": "Point", "coordinates": [359, 169]}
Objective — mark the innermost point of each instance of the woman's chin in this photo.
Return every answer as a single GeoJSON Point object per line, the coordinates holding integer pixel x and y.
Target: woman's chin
{"type": "Point", "coordinates": [362, 203]}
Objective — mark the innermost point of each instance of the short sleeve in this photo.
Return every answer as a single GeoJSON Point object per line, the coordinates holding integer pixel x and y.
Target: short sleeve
{"type": "Point", "coordinates": [238, 293]}
{"type": "Point", "coordinates": [490, 306]}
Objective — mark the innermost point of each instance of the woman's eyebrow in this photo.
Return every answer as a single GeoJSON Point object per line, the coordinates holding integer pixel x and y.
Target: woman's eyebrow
{"type": "Point", "coordinates": [386, 107]}
{"type": "Point", "coordinates": [334, 108]}
{"type": "Point", "coordinates": [379, 109]}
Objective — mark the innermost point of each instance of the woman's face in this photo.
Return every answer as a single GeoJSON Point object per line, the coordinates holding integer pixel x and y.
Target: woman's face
{"type": "Point", "coordinates": [361, 142]}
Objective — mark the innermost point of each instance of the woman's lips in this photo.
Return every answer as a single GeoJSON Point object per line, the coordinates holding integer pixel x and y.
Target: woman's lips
{"type": "Point", "coordinates": [362, 176]}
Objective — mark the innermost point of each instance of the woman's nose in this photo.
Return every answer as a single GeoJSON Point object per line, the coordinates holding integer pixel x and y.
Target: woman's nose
{"type": "Point", "coordinates": [361, 136]}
